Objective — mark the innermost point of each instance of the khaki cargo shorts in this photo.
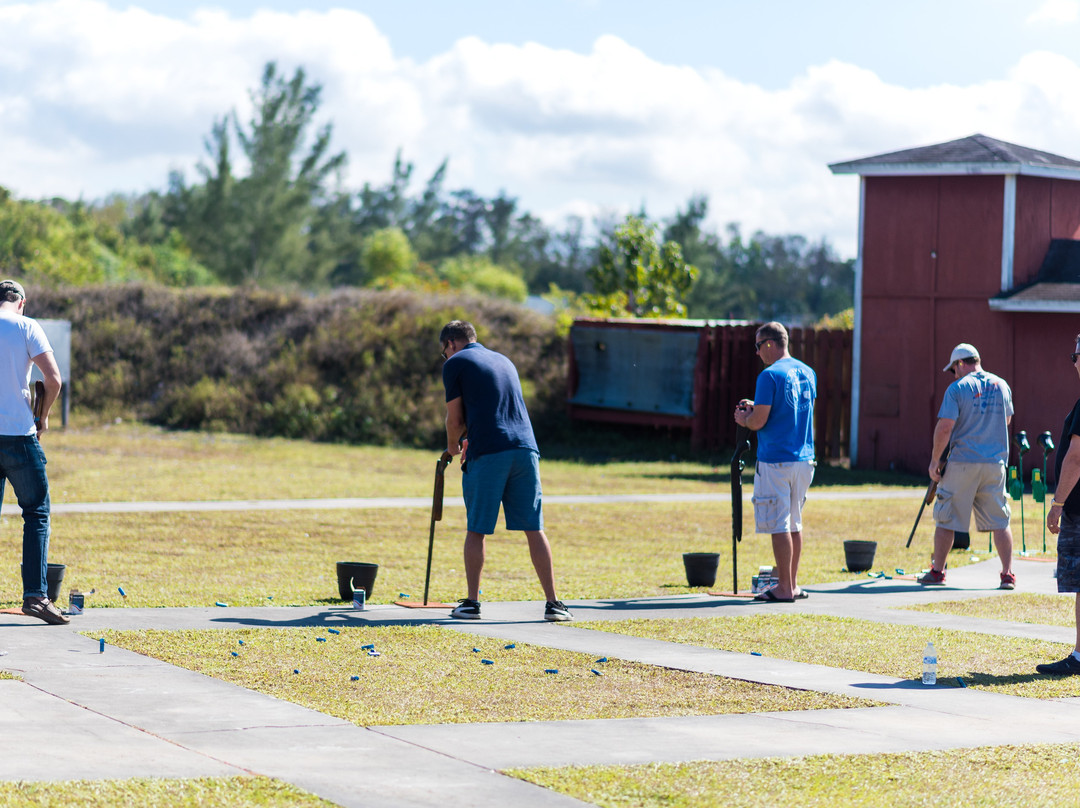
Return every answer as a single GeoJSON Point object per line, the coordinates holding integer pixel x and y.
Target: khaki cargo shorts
{"type": "Point", "coordinates": [779, 495]}
{"type": "Point", "coordinates": [968, 488]}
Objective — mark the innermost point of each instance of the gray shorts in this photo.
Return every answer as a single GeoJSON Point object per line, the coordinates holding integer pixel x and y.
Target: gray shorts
{"type": "Point", "coordinates": [972, 487]}
{"type": "Point", "coordinates": [1068, 568]}
{"type": "Point", "coordinates": [779, 495]}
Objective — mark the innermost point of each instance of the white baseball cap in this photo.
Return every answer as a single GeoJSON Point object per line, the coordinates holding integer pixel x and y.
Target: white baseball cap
{"type": "Point", "coordinates": [961, 351]}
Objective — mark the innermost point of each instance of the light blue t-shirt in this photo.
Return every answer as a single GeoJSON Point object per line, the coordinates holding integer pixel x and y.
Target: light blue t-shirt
{"type": "Point", "coordinates": [789, 387]}
{"type": "Point", "coordinates": [981, 404]}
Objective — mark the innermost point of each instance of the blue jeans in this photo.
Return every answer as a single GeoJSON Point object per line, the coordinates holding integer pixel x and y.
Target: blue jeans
{"type": "Point", "coordinates": [23, 463]}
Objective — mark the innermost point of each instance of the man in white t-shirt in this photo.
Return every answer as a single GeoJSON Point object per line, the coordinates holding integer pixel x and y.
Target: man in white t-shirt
{"type": "Point", "coordinates": [22, 462]}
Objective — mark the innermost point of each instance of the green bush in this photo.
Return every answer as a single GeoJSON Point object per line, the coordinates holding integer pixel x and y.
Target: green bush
{"type": "Point", "coordinates": [361, 366]}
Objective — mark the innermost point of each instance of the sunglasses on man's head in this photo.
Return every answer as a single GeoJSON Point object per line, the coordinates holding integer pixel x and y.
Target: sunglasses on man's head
{"type": "Point", "coordinates": [1074, 357]}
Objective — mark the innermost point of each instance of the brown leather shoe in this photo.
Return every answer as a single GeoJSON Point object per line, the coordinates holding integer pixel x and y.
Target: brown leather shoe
{"type": "Point", "coordinates": [44, 609]}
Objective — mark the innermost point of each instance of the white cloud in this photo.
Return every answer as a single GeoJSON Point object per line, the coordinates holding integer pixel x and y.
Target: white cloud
{"type": "Point", "coordinates": [1055, 12]}
{"type": "Point", "coordinates": [94, 99]}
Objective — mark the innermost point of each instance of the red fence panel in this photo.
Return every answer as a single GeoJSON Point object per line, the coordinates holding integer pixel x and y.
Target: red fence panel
{"type": "Point", "coordinates": [726, 371]}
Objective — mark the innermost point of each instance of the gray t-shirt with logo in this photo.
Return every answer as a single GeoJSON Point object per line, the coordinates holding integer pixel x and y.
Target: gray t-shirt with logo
{"type": "Point", "coordinates": [981, 404]}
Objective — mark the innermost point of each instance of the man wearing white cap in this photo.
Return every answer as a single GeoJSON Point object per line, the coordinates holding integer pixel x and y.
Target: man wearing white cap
{"type": "Point", "coordinates": [22, 463]}
{"type": "Point", "coordinates": [973, 421]}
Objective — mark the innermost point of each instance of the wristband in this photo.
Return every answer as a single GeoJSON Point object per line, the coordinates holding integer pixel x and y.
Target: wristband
{"type": "Point", "coordinates": [1054, 502]}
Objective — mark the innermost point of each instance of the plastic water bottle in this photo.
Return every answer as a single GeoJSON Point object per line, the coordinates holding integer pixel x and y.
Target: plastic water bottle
{"type": "Point", "coordinates": [929, 665]}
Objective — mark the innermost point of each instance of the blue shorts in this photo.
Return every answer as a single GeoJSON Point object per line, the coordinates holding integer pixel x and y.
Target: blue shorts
{"type": "Point", "coordinates": [510, 478]}
{"type": "Point", "coordinates": [1068, 567]}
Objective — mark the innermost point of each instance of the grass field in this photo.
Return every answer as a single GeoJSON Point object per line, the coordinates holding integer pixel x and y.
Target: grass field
{"type": "Point", "coordinates": [994, 777]}
{"type": "Point", "coordinates": [425, 675]}
{"type": "Point", "coordinates": [601, 551]}
{"type": "Point", "coordinates": [233, 792]}
{"type": "Point", "coordinates": [622, 550]}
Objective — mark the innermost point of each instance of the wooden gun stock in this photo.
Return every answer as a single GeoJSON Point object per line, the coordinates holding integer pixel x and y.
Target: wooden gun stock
{"type": "Point", "coordinates": [38, 404]}
{"type": "Point", "coordinates": [440, 480]}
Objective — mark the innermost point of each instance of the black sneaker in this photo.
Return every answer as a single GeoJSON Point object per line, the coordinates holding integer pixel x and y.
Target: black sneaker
{"type": "Point", "coordinates": [556, 612]}
{"type": "Point", "coordinates": [1069, 666]}
{"type": "Point", "coordinates": [467, 610]}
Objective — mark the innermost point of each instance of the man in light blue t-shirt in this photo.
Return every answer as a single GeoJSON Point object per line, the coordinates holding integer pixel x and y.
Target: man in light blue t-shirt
{"type": "Point", "coordinates": [973, 423]}
{"type": "Point", "coordinates": [782, 414]}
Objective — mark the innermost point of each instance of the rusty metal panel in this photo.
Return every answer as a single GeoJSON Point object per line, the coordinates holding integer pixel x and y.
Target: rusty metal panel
{"type": "Point", "coordinates": [635, 369]}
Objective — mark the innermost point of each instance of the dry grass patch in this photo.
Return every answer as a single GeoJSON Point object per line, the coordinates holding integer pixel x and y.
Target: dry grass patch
{"type": "Point", "coordinates": [997, 777]}
{"type": "Point", "coordinates": [999, 664]}
{"type": "Point", "coordinates": [112, 462]}
{"type": "Point", "coordinates": [426, 675]}
{"type": "Point", "coordinates": [229, 792]}
{"type": "Point", "coordinates": [1018, 607]}
{"type": "Point", "coordinates": [601, 551]}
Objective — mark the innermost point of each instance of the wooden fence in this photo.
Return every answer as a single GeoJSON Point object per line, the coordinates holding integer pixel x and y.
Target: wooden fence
{"type": "Point", "coordinates": [726, 371]}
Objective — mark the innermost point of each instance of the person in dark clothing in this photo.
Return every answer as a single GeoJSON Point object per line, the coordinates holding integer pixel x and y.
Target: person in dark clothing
{"type": "Point", "coordinates": [1063, 520]}
{"type": "Point", "coordinates": [488, 425]}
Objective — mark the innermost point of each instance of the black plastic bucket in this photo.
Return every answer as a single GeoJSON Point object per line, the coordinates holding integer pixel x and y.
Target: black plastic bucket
{"type": "Point", "coordinates": [859, 555]}
{"type": "Point", "coordinates": [353, 575]}
{"type": "Point", "coordinates": [54, 576]}
{"type": "Point", "coordinates": [700, 568]}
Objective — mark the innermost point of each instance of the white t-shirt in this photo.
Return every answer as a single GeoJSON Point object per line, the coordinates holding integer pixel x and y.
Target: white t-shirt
{"type": "Point", "coordinates": [21, 339]}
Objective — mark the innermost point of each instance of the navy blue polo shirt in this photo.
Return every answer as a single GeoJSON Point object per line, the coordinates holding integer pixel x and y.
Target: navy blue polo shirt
{"type": "Point", "coordinates": [487, 384]}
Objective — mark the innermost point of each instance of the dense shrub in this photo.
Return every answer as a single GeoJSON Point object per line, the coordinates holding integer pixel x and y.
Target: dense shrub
{"type": "Point", "coordinates": [360, 365]}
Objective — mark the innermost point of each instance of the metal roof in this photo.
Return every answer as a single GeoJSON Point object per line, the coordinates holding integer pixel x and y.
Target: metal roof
{"type": "Point", "coordinates": [1056, 288]}
{"type": "Point", "coordinates": [976, 154]}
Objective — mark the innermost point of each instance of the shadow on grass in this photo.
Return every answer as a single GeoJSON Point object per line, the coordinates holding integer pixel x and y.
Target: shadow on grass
{"type": "Point", "coordinates": [989, 679]}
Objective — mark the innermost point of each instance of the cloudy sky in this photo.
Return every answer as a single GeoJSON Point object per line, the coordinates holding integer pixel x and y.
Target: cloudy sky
{"type": "Point", "coordinates": [573, 106]}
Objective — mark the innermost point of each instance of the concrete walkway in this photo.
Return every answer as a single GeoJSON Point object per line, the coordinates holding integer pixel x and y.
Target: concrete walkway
{"type": "Point", "coordinates": [117, 714]}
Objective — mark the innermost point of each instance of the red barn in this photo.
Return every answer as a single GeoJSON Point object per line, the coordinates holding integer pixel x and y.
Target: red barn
{"type": "Point", "coordinates": [975, 240]}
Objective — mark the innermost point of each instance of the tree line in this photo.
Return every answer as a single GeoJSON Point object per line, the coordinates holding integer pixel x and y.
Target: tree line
{"type": "Point", "coordinates": [267, 207]}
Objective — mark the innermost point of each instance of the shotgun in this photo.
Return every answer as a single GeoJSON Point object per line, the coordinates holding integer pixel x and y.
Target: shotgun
{"type": "Point", "coordinates": [436, 513]}
{"type": "Point", "coordinates": [742, 446]}
{"type": "Point", "coordinates": [931, 492]}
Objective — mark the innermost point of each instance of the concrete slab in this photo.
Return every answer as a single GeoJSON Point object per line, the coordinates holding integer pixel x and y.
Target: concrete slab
{"type": "Point", "coordinates": [44, 737]}
{"type": "Point", "coordinates": [125, 715]}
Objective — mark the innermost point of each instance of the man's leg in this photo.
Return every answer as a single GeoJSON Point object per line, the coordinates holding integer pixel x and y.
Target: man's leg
{"type": "Point", "coordinates": [1076, 617]}
{"type": "Point", "coordinates": [796, 554]}
{"type": "Point", "coordinates": [540, 553]}
{"type": "Point", "coordinates": [1003, 543]}
{"type": "Point", "coordinates": [784, 556]}
{"type": "Point", "coordinates": [943, 542]}
{"type": "Point", "coordinates": [474, 562]}
{"type": "Point", "coordinates": [25, 468]}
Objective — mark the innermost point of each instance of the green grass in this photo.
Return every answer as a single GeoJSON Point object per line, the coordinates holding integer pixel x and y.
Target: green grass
{"type": "Point", "coordinates": [110, 462]}
{"type": "Point", "coordinates": [228, 792]}
{"type": "Point", "coordinates": [988, 662]}
{"type": "Point", "coordinates": [1019, 607]}
{"type": "Point", "coordinates": [427, 675]}
{"type": "Point", "coordinates": [601, 551]}
{"type": "Point", "coordinates": [996, 777]}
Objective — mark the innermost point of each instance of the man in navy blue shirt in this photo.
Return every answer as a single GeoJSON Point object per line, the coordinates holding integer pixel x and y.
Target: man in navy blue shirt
{"type": "Point", "coordinates": [500, 460]}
